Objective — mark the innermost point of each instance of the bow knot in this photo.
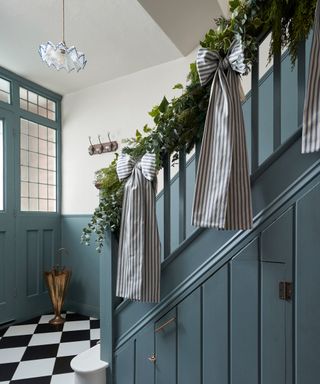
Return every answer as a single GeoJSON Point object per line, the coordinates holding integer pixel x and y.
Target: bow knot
{"type": "Point", "coordinates": [147, 164]}
{"type": "Point", "coordinates": [224, 63]}
{"type": "Point", "coordinates": [208, 62]}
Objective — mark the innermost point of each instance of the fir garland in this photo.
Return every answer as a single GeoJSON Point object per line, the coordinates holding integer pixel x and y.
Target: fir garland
{"type": "Point", "coordinates": [178, 124]}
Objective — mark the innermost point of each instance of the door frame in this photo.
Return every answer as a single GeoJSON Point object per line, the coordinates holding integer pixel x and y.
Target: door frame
{"type": "Point", "coordinates": [7, 222]}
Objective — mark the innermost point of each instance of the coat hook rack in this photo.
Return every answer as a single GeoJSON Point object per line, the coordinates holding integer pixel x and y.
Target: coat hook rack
{"type": "Point", "coordinates": [98, 149]}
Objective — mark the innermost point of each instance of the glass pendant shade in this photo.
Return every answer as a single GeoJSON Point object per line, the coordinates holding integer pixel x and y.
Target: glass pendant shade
{"type": "Point", "coordinates": [60, 56]}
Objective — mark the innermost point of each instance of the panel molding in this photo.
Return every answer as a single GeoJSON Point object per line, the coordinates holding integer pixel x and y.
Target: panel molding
{"type": "Point", "coordinates": [287, 198]}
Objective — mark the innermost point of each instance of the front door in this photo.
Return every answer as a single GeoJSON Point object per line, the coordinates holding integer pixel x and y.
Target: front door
{"type": "Point", "coordinates": [7, 211]}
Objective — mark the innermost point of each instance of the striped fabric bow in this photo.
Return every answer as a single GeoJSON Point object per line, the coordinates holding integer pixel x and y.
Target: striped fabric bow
{"type": "Point", "coordinates": [209, 61]}
{"type": "Point", "coordinates": [222, 196]}
{"type": "Point", "coordinates": [126, 164]}
{"type": "Point", "coordinates": [138, 275]}
{"type": "Point", "coordinates": [311, 113]}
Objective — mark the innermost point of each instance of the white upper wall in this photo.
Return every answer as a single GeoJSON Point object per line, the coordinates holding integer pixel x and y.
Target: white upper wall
{"type": "Point", "coordinates": [120, 107]}
{"type": "Point", "coordinates": [185, 22]}
{"type": "Point", "coordinates": [119, 37]}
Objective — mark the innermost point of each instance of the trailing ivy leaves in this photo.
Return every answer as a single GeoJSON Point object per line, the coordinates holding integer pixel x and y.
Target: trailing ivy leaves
{"type": "Point", "coordinates": [178, 124]}
{"type": "Point", "coordinates": [108, 213]}
{"type": "Point", "coordinates": [178, 86]}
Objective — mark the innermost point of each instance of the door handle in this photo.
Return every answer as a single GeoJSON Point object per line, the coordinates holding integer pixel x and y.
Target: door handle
{"type": "Point", "coordinates": [152, 358]}
{"type": "Point", "coordinates": [165, 324]}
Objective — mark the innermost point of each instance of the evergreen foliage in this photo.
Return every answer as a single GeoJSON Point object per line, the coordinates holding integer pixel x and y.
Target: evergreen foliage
{"type": "Point", "coordinates": [178, 124]}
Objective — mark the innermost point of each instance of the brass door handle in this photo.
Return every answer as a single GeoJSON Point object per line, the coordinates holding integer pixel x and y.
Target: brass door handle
{"type": "Point", "coordinates": [165, 324]}
{"type": "Point", "coordinates": [152, 358]}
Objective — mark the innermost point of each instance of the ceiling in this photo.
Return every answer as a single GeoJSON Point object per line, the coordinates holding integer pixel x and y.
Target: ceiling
{"type": "Point", "coordinates": [119, 37]}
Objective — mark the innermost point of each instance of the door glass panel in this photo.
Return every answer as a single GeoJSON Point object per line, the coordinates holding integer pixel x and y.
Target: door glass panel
{"type": "Point", "coordinates": [37, 104]}
{"type": "Point", "coordinates": [37, 166]}
{"type": "Point", "coordinates": [1, 166]}
{"type": "Point", "coordinates": [5, 91]}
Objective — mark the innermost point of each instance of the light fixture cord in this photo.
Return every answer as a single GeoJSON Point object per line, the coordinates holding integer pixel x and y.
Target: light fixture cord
{"type": "Point", "coordinates": [63, 23]}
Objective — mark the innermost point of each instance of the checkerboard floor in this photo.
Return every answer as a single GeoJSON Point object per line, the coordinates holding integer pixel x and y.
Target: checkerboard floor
{"type": "Point", "coordinates": [36, 352]}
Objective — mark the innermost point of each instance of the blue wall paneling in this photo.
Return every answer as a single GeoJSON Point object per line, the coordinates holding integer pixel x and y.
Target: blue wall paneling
{"type": "Point", "coordinates": [233, 327]}
{"type": "Point", "coordinates": [83, 295]}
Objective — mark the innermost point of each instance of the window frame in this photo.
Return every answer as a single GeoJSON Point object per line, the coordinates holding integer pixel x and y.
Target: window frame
{"type": "Point", "coordinates": [18, 113]}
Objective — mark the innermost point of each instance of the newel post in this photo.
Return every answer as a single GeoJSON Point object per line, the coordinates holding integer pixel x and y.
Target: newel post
{"type": "Point", "coordinates": [108, 259]}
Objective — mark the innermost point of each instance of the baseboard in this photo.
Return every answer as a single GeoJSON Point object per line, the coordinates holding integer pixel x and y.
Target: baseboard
{"type": "Point", "coordinates": [82, 308]}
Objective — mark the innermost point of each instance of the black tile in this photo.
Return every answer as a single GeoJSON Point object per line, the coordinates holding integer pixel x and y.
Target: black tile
{"type": "Point", "coordinates": [94, 324]}
{"type": "Point", "coordinates": [75, 336]}
{"type": "Point", "coordinates": [40, 352]}
{"type": "Point", "coordinates": [33, 380]}
{"type": "Point", "coordinates": [93, 343]}
{"type": "Point", "coordinates": [34, 320]}
{"type": "Point", "coordinates": [7, 371]}
{"type": "Point", "coordinates": [76, 317]}
{"type": "Point", "coordinates": [62, 365]}
{"type": "Point", "coordinates": [3, 331]}
{"type": "Point", "coordinates": [46, 328]}
{"type": "Point", "coordinates": [15, 341]}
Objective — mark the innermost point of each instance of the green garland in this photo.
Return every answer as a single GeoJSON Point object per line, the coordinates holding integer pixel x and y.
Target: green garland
{"type": "Point", "coordinates": [178, 124]}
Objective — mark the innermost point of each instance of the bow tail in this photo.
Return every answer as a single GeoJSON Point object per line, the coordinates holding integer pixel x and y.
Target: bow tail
{"type": "Point", "coordinates": [239, 206]}
{"type": "Point", "coordinates": [215, 161]}
{"type": "Point", "coordinates": [311, 114]}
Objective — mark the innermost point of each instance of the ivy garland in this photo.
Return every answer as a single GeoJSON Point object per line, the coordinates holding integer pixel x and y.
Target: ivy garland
{"type": "Point", "coordinates": [178, 124]}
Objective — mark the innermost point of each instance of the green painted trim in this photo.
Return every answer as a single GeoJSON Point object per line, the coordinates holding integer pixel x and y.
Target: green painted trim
{"type": "Point", "coordinates": [226, 252]}
{"type": "Point", "coordinates": [13, 77]}
{"type": "Point", "coordinates": [75, 215]}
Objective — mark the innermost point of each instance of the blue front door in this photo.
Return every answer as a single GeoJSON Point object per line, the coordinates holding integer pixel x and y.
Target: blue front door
{"type": "Point", "coordinates": [7, 210]}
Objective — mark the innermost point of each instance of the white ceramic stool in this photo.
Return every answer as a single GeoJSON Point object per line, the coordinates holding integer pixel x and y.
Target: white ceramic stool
{"type": "Point", "coordinates": [88, 368]}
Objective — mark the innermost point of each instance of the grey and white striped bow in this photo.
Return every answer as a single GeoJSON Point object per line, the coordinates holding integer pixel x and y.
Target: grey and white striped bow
{"type": "Point", "coordinates": [209, 61]}
{"type": "Point", "coordinates": [311, 113]}
{"type": "Point", "coordinates": [222, 196]}
{"type": "Point", "coordinates": [126, 164]}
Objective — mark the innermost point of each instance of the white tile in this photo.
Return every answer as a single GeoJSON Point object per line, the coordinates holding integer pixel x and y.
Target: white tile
{"type": "Point", "coordinates": [73, 348]}
{"type": "Point", "coordinates": [18, 330]}
{"type": "Point", "coordinates": [95, 334]}
{"type": "Point", "coordinates": [64, 378]}
{"type": "Point", "coordinates": [34, 368]}
{"type": "Point", "coordinates": [11, 355]}
{"type": "Point", "coordinates": [45, 318]}
{"type": "Point", "coordinates": [76, 325]}
{"type": "Point", "coordinates": [45, 338]}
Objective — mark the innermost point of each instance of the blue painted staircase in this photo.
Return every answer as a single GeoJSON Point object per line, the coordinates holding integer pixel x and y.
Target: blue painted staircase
{"type": "Point", "coordinates": [237, 307]}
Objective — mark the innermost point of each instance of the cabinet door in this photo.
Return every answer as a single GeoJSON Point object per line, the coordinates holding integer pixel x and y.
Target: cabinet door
{"type": "Point", "coordinates": [308, 288]}
{"type": "Point", "coordinates": [244, 316]}
{"type": "Point", "coordinates": [124, 364]}
{"type": "Point", "coordinates": [276, 316]}
{"type": "Point", "coordinates": [189, 339]}
{"type": "Point", "coordinates": [215, 328]}
{"type": "Point", "coordinates": [165, 366]}
{"type": "Point", "coordinates": [144, 352]}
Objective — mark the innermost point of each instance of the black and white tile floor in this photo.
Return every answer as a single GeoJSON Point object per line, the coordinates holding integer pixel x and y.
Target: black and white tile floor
{"type": "Point", "coordinates": [35, 352]}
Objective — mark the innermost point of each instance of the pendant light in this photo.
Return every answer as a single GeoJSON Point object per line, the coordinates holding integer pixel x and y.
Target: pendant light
{"type": "Point", "coordinates": [60, 56]}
